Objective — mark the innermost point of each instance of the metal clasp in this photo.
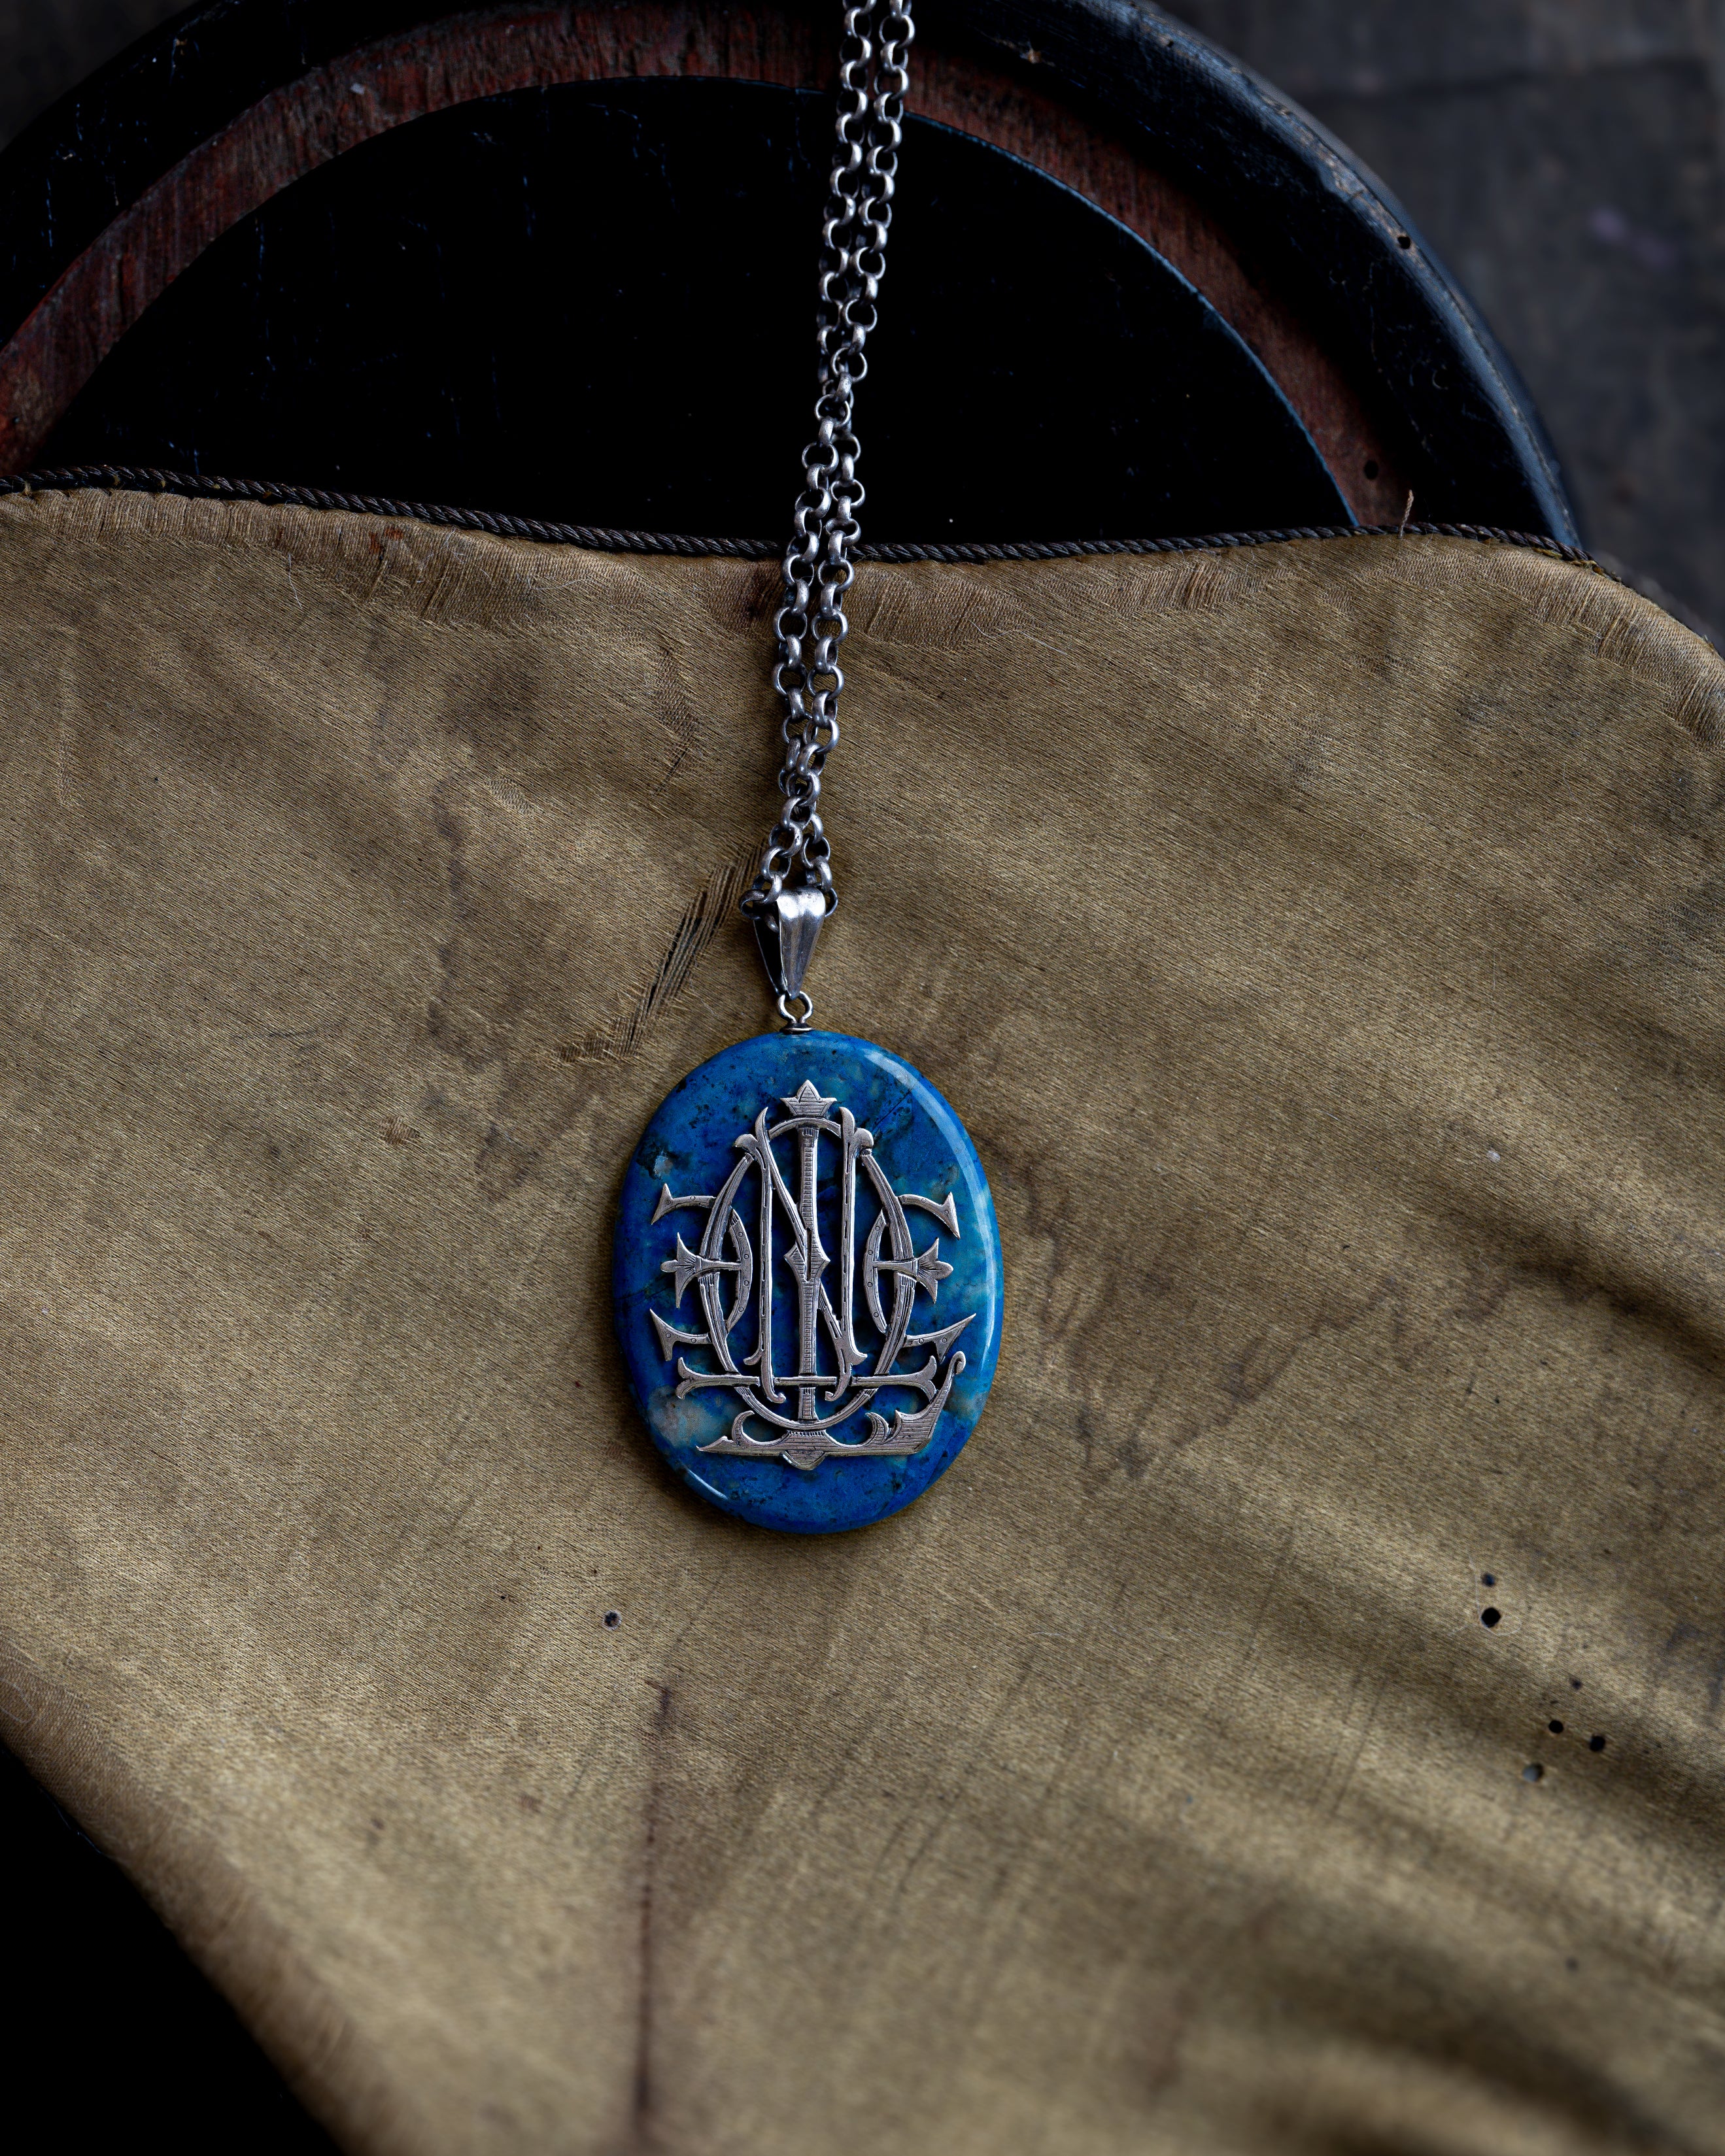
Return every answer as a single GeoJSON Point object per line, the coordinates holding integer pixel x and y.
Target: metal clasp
{"type": "Point", "coordinates": [787, 929]}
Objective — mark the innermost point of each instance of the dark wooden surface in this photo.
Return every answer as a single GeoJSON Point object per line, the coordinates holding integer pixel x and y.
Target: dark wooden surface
{"type": "Point", "coordinates": [437, 315]}
{"type": "Point", "coordinates": [1566, 160]}
{"type": "Point", "coordinates": [105, 204]}
{"type": "Point", "coordinates": [1569, 162]}
{"type": "Point", "coordinates": [251, 119]}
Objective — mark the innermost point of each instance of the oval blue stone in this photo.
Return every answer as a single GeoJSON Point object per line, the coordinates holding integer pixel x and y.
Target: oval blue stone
{"type": "Point", "coordinates": [808, 1283]}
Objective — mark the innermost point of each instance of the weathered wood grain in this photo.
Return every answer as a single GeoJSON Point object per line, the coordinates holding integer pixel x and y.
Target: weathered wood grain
{"type": "Point", "coordinates": [1564, 156]}
{"type": "Point", "coordinates": [365, 93]}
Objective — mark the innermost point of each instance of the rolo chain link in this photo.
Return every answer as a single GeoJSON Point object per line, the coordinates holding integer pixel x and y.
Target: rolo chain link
{"type": "Point", "coordinates": [810, 622]}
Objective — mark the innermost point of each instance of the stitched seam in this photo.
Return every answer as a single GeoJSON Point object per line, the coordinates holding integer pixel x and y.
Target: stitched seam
{"type": "Point", "coordinates": [125, 479]}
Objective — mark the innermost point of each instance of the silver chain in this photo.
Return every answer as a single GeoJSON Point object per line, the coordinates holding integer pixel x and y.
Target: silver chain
{"type": "Point", "coordinates": [818, 569]}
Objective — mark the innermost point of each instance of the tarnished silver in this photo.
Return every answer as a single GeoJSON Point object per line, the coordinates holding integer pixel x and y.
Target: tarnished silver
{"type": "Point", "coordinates": [787, 927]}
{"type": "Point", "coordinates": [733, 1276]}
{"type": "Point", "coordinates": [811, 624]}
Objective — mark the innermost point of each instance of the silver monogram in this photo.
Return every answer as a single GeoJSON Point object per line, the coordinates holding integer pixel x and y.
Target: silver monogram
{"type": "Point", "coordinates": [802, 1408]}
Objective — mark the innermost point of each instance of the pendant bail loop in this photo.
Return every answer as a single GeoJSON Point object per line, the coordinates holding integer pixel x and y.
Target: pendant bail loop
{"type": "Point", "coordinates": [787, 929]}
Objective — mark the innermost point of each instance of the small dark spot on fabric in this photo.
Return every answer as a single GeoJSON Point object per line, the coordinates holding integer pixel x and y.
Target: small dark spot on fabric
{"type": "Point", "coordinates": [1404, 240]}
{"type": "Point", "coordinates": [529, 1803]}
{"type": "Point", "coordinates": [1534, 1773]}
{"type": "Point", "coordinates": [1596, 1744]}
{"type": "Point", "coordinates": [1488, 1580]}
{"type": "Point", "coordinates": [1575, 1684]}
{"type": "Point", "coordinates": [1572, 1963]}
{"type": "Point", "coordinates": [1555, 1727]}
{"type": "Point", "coordinates": [378, 1825]}
{"type": "Point", "coordinates": [613, 1618]}
{"type": "Point", "coordinates": [1490, 1618]}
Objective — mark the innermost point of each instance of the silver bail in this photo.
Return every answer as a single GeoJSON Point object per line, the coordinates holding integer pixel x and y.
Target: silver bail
{"type": "Point", "coordinates": [786, 930]}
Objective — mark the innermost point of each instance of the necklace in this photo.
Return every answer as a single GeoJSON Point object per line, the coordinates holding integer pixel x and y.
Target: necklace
{"type": "Point", "coordinates": [797, 1358]}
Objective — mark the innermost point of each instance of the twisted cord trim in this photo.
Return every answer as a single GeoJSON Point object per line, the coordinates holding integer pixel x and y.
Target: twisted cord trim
{"type": "Point", "coordinates": [128, 478]}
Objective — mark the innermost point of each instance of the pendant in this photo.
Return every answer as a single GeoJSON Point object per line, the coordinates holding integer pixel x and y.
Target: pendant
{"type": "Point", "coordinates": [807, 1281]}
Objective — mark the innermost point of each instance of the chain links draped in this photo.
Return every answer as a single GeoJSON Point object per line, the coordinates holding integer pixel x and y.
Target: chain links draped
{"type": "Point", "coordinates": [811, 624]}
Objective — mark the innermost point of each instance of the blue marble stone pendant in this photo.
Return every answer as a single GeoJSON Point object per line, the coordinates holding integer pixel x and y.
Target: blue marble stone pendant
{"type": "Point", "coordinates": [808, 1283]}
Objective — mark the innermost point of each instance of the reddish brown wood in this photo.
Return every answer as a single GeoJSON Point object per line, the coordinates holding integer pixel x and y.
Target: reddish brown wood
{"type": "Point", "coordinates": [1017, 115]}
{"type": "Point", "coordinates": [334, 108]}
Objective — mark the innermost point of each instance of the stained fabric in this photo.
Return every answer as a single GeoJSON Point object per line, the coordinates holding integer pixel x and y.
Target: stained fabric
{"type": "Point", "coordinates": [1292, 1725]}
